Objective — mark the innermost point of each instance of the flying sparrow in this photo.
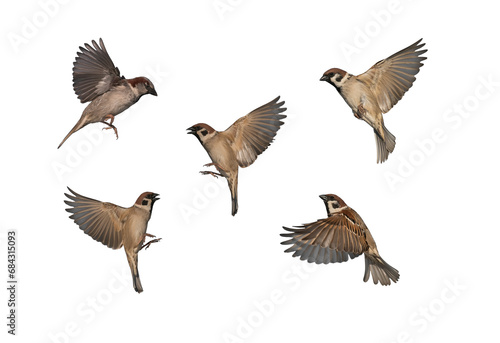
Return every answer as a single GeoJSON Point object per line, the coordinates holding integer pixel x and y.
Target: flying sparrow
{"type": "Point", "coordinates": [115, 226]}
{"type": "Point", "coordinates": [336, 238]}
{"type": "Point", "coordinates": [96, 79]}
{"type": "Point", "coordinates": [240, 144]}
{"type": "Point", "coordinates": [375, 92]}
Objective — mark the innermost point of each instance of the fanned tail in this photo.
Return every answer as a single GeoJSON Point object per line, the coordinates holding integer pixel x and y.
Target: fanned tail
{"type": "Point", "coordinates": [384, 147]}
{"type": "Point", "coordinates": [380, 270]}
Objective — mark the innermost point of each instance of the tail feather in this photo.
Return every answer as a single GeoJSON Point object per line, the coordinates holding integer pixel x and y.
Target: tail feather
{"type": "Point", "coordinates": [132, 259]}
{"type": "Point", "coordinates": [137, 283]}
{"type": "Point", "coordinates": [81, 123]}
{"type": "Point", "coordinates": [384, 147]}
{"type": "Point", "coordinates": [233, 187]}
{"type": "Point", "coordinates": [380, 270]}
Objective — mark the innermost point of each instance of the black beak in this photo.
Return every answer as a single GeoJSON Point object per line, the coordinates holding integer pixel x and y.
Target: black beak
{"type": "Point", "coordinates": [323, 197]}
{"type": "Point", "coordinates": [155, 195]}
{"type": "Point", "coordinates": [324, 78]}
{"type": "Point", "coordinates": [152, 91]}
{"type": "Point", "coordinates": [192, 130]}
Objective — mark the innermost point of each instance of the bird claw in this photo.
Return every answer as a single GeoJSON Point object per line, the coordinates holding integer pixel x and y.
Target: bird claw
{"type": "Point", "coordinates": [110, 124]}
{"type": "Point", "coordinates": [216, 175]}
{"type": "Point", "coordinates": [146, 246]}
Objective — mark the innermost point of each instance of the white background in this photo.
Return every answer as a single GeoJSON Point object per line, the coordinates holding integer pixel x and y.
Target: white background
{"type": "Point", "coordinates": [214, 277]}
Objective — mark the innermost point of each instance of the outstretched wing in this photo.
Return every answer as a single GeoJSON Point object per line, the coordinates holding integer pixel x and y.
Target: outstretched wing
{"type": "Point", "coordinates": [253, 133]}
{"type": "Point", "coordinates": [390, 78]}
{"type": "Point", "coordinates": [102, 221]}
{"type": "Point", "coordinates": [93, 73]}
{"type": "Point", "coordinates": [329, 240]}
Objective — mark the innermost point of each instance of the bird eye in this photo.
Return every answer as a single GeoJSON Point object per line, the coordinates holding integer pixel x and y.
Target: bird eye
{"type": "Point", "coordinates": [144, 202]}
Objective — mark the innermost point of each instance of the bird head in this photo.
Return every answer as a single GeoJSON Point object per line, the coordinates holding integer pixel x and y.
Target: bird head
{"type": "Point", "coordinates": [146, 200]}
{"type": "Point", "coordinates": [142, 85]}
{"type": "Point", "coordinates": [332, 202]}
{"type": "Point", "coordinates": [202, 131]}
{"type": "Point", "coordinates": [334, 76]}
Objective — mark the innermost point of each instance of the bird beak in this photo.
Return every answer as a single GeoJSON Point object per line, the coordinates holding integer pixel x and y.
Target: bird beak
{"type": "Point", "coordinates": [323, 197]}
{"type": "Point", "coordinates": [192, 130]}
{"type": "Point", "coordinates": [324, 78]}
{"type": "Point", "coordinates": [155, 195]}
{"type": "Point", "coordinates": [152, 91]}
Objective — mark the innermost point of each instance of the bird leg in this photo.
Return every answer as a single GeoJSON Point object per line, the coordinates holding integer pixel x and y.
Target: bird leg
{"type": "Point", "coordinates": [213, 164]}
{"type": "Point", "coordinates": [219, 168]}
{"type": "Point", "coordinates": [149, 243]}
{"type": "Point", "coordinates": [204, 172]}
{"type": "Point", "coordinates": [110, 124]}
{"type": "Point", "coordinates": [360, 112]}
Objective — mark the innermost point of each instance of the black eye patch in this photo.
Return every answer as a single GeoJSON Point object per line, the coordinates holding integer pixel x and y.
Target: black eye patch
{"type": "Point", "coordinates": [144, 202]}
{"type": "Point", "coordinates": [204, 132]}
{"type": "Point", "coordinates": [339, 78]}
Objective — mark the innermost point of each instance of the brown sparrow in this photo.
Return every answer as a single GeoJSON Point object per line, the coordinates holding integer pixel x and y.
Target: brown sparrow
{"type": "Point", "coordinates": [115, 226]}
{"type": "Point", "coordinates": [375, 92]}
{"type": "Point", "coordinates": [96, 79]}
{"type": "Point", "coordinates": [336, 238]}
{"type": "Point", "coordinates": [240, 144]}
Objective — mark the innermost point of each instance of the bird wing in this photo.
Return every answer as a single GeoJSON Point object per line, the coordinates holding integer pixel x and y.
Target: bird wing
{"type": "Point", "coordinates": [389, 79]}
{"type": "Point", "coordinates": [333, 239]}
{"type": "Point", "coordinates": [102, 221]}
{"type": "Point", "coordinates": [94, 72]}
{"type": "Point", "coordinates": [253, 133]}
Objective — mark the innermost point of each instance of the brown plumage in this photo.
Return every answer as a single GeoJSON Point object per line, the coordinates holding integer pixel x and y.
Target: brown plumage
{"type": "Point", "coordinates": [96, 79]}
{"type": "Point", "coordinates": [241, 143]}
{"type": "Point", "coordinates": [340, 236]}
{"type": "Point", "coordinates": [376, 91]}
{"type": "Point", "coordinates": [115, 226]}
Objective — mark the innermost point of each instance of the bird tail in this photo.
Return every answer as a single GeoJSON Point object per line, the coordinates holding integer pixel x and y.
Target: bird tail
{"type": "Point", "coordinates": [233, 187]}
{"type": "Point", "coordinates": [81, 123]}
{"type": "Point", "coordinates": [380, 270]}
{"type": "Point", "coordinates": [133, 261]}
{"type": "Point", "coordinates": [384, 147]}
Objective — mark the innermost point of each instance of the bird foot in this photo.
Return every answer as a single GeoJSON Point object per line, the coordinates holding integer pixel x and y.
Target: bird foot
{"type": "Point", "coordinates": [146, 246]}
{"type": "Point", "coordinates": [110, 124]}
{"type": "Point", "coordinates": [211, 173]}
{"type": "Point", "coordinates": [361, 112]}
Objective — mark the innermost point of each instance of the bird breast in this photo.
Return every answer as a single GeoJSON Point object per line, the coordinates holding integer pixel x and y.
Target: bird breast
{"type": "Point", "coordinates": [135, 227]}
{"type": "Point", "coordinates": [113, 102]}
{"type": "Point", "coordinates": [221, 152]}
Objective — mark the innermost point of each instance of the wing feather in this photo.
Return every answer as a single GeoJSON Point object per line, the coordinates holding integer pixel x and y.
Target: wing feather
{"type": "Point", "coordinates": [102, 221]}
{"type": "Point", "coordinates": [253, 133]}
{"type": "Point", "coordinates": [329, 240]}
{"type": "Point", "coordinates": [391, 78]}
{"type": "Point", "coordinates": [93, 72]}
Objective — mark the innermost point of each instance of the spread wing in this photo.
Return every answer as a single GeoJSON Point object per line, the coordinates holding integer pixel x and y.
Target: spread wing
{"type": "Point", "coordinates": [102, 221]}
{"type": "Point", "coordinates": [329, 240]}
{"type": "Point", "coordinates": [253, 133]}
{"type": "Point", "coordinates": [389, 79]}
{"type": "Point", "coordinates": [93, 73]}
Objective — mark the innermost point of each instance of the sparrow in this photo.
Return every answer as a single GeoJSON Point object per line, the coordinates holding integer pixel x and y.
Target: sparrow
{"type": "Point", "coordinates": [115, 226]}
{"type": "Point", "coordinates": [96, 79]}
{"type": "Point", "coordinates": [341, 235]}
{"type": "Point", "coordinates": [240, 144]}
{"type": "Point", "coordinates": [375, 92]}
